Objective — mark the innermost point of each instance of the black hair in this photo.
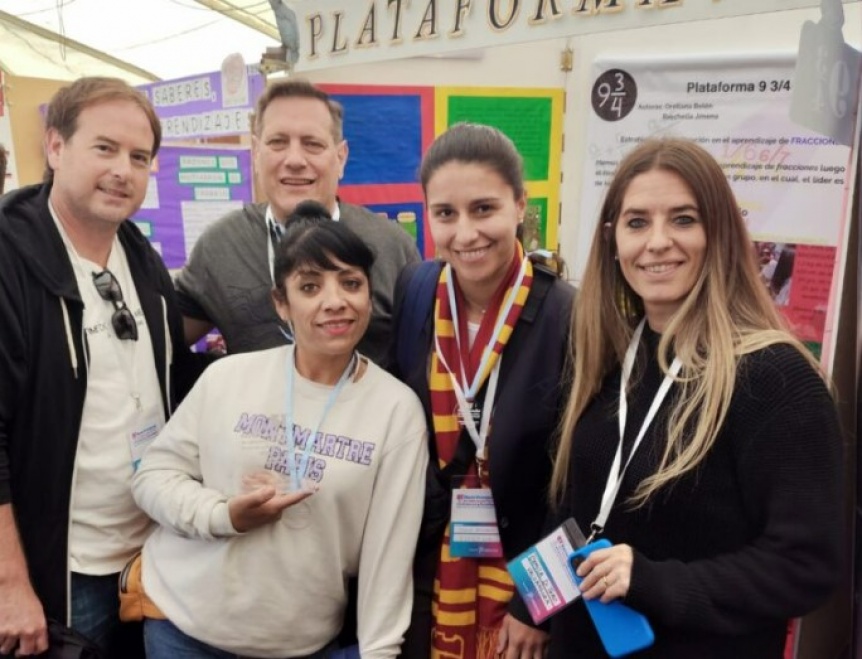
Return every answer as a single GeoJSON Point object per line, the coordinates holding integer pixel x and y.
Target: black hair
{"type": "Point", "coordinates": [783, 269]}
{"type": "Point", "coordinates": [312, 238]}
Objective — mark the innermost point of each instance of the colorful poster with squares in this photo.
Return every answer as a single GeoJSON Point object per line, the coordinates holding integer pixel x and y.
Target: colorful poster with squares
{"type": "Point", "coordinates": [532, 119]}
{"type": "Point", "coordinates": [387, 130]}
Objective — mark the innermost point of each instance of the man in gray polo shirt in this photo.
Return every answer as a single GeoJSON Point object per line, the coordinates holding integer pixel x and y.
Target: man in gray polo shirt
{"type": "Point", "coordinates": [299, 153]}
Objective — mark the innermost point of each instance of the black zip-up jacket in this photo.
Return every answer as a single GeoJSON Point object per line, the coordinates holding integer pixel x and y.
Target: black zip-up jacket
{"type": "Point", "coordinates": [43, 374]}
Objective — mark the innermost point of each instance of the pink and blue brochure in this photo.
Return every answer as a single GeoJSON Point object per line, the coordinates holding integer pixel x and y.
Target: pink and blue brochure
{"type": "Point", "coordinates": [543, 576]}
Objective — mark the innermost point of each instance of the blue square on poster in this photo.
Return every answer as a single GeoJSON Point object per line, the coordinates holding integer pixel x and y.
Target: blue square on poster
{"type": "Point", "coordinates": [384, 135]}
{"type": "Point", "coordinates": [408, 215]}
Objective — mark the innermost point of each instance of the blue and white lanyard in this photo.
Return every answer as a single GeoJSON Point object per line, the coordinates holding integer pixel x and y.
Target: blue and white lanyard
{"type": "Point", "coordinates": [616, 475]}
{"type": "Point", "coordinates": [297, 471]}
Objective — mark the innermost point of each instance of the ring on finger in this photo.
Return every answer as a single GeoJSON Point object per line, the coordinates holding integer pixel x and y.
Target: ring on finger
{"type": "Point", "coordinates": [605, 582]}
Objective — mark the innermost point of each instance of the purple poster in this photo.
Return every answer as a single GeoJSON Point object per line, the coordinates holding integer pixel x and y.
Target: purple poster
{"type": "Point", "coordinates": [209, 104]}
{"type": "Point", "coordinates": [189, 189]}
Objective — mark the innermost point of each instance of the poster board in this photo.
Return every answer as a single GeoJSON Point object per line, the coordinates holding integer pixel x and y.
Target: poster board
{"type": "Point", "coordinates": [207, 105]}
{"type": "Point", "coordinates": [191, 187]}
{"type": "Point", "coordinates": [6, 138]}
{"type": "Point", "coordinates": [389, 128]}
{"type": "Point", "coordinates": [792, 184]}
{"type": "Point", "coordinates": [532, 118]}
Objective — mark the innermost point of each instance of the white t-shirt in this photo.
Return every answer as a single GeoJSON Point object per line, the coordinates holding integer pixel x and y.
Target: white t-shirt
{"type": "Point", "coordinates": [123, 397]}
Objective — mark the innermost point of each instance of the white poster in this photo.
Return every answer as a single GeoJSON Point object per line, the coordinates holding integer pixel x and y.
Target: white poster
{"type": "Point", "coordinates": [6, 140]}
{"type": "Point", "coordinates": [791, 183]}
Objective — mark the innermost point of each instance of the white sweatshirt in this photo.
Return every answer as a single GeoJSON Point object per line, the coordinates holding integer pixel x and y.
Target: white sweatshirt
{"type": "Point", "coordinates": [279, 590]}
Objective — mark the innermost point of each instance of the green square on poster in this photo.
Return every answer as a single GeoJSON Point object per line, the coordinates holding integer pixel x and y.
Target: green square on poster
{"type": "Point", "coordinates": [526, 120]}
{"type": "Point", "coordinates": [535, 231]}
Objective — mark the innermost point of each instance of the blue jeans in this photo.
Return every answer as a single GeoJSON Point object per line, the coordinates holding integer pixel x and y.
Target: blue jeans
{"type": "Point", "coordinates": [164, 640]}
{"type": "Point", "coordinates": [96, 614]}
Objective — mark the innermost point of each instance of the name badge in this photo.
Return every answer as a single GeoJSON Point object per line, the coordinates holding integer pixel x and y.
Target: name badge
{"type": "Point", "coordinates": [473, 531]}
{"type": "Point", "coordinates": [143, 434]}
{"type": "Point", "coordinates": [543, 577]}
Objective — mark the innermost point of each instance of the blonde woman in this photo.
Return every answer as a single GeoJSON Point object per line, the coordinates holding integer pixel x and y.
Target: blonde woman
{"type": "Point", "coordinates": [712, 420]}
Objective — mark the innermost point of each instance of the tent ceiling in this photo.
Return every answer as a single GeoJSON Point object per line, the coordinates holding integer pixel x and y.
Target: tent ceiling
{"type": "Point", "coordinates": [163, 38]}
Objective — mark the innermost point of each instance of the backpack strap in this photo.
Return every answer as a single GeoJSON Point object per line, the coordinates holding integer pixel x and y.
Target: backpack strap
{"type": "Point", "coordinates": [418, 304]}
{"type": "Point", "coordinates": [543, 279]}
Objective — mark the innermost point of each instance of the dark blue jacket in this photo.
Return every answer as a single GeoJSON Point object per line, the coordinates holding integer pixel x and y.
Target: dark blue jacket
{"type": "Point", "coordinates": [531, 397]}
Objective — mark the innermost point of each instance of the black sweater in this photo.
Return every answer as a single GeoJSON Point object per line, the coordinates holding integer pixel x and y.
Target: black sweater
{"type": "Point", "coordinates": [727, 554]}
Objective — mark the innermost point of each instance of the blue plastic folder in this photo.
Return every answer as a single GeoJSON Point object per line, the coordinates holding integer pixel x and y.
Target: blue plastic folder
{"type": "Point", "coordinates": [622, 629]}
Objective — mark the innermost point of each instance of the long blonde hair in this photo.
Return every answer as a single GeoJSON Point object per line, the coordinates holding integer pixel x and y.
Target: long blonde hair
{"type": "Point", "coordinates": [727, 314]}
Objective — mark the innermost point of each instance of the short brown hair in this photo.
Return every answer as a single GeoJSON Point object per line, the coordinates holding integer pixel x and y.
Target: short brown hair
{"type": "Point", "coordinates": [68, 103]}
{"type": "Point", "coordinates": [299, 88]}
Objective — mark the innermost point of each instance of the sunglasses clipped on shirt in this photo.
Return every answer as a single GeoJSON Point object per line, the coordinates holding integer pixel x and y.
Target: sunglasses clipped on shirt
{"type": "Point", "coordinates": [123, 322]}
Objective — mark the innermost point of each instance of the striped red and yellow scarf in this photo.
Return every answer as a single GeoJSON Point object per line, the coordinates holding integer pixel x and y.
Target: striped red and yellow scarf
{"type": "Point", "coordinates": [470, 594]}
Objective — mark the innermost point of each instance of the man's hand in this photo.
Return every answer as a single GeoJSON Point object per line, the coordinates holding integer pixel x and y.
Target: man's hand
{"type": "Point", "coordinates": [519, 641]}
{"type": "Point", "coordinates": [22, 621]}
{"type": "Point", "coordinates": [262, 506]}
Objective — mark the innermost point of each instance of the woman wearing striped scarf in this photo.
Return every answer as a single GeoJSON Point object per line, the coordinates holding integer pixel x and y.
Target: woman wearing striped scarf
{"type": "Point", "coordinates": [492, 381]}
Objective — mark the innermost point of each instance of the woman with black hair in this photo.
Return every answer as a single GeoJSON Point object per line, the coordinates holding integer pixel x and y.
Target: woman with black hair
{"type": "Point", "coordinates": [284, 472]}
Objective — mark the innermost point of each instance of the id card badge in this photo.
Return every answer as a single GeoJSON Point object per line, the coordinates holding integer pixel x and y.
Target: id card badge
{"type": "Point", "coordinates": [543, 577]}
{"type": "Point", "coordinates": [143, 434]}
{"type": "Point", "coordinates": [473, 531]}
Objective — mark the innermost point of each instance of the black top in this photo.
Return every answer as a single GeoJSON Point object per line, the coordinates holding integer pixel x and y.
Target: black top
{"type": "Point", "coordinates": [728, 553]}
{"type": "Point", "coordinates": [529, 401]}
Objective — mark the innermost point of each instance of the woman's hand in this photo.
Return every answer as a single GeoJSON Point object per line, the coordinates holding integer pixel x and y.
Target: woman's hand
{"type": "Point", "coordinates": [262, 506]}
{"type": "Point", "coordinates": [519, 641]}
{"type": "Point", "coordinates": [607, 573]}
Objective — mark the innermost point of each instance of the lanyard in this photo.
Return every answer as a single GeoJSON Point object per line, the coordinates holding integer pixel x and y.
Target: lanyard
{"type": "Point", "coordinates": [274, 232]}
{"type": "Point", "coordinates": [466, 392]}
{"type": "Point", "coordinates": [612, 487]}
{"type": "Point", "coordinates": [471, 389]}
{"type": "Point", "coordinates": [479, 436]}
{"type": "Point", "coordinates": [297, 471]}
